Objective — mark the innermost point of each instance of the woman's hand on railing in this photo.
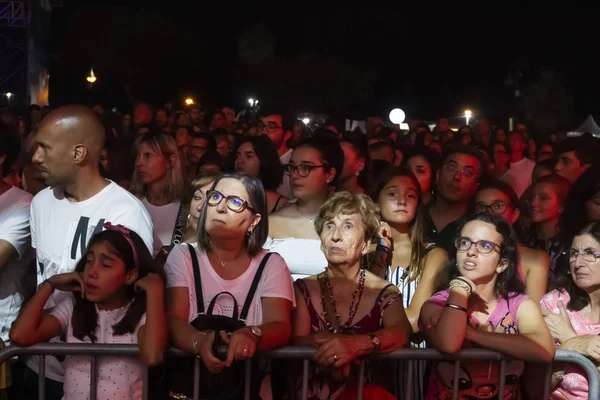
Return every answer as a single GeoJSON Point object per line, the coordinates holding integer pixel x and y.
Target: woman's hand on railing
{"type": "Point", "coordinates": [241, 345]}
{"type": "Point", "coordinates": [205, 347]}
{"type": "Point", "coordinates": [587, 345]}
{"type": "Point", "coordinates": [339, 350]}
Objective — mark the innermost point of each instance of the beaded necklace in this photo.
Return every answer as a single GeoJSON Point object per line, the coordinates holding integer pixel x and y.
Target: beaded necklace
{"type": "Point", "coordinates": [353, 306]}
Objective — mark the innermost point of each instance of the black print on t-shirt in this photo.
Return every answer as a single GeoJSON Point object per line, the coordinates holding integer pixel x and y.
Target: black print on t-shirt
{"type": "Point", "coordinates": [80, 237]}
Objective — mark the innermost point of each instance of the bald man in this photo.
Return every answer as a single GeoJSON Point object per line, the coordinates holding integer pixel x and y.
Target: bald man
{"type": "Point", "coordinates": [77, 204]}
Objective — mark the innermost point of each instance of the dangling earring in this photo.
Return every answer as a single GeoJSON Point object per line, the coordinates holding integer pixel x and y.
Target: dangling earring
{"type": "Point", "coordinates": [248, 233]}
{"type": "Point", "coordinates": [357, 173]}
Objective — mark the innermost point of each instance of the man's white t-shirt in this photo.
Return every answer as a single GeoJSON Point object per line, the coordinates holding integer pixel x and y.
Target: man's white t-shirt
{"type": "Point", "coordinates": [285, 189]}
{"type": "Point", "coordinates": [275, 282]}
{"type": "Point", "coordinates": [518, 175]}
{"type": "Point", "coordinates": [61, 230]}
{"type": "Point", "coordinates": [118, 377]}
{"type": "Point", "coordinates": [14, 228]}
{"type": "Point", "coordinates": [163, 220]}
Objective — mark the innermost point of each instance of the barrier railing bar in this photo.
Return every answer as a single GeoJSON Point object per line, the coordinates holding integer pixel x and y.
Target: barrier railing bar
{"type": "Point", "coordinates": [501, 379]}
{"type": "Point", "coordinates": [248, 366]}
{"type": "Point", "coordinates": [305, 353]}
{"type": "Point", "coordinates": [197, 364]}
{"type": "Point", "coordinates": [361, 380]}
{"type": "Point", "coordinates": [409, 379]}
{"type": "Point", "coordinates": [145, 384]}
{"type": "Point", "coordinates": [41, 378]}
{"type": "Point", "coordinates": [305, 368]}
{"type": "Point", "coordinates": [93, 378]}
{"type": "Point", "coordinates": [455, 380]}
{"type": "Point", "coordinates": [547, 381]}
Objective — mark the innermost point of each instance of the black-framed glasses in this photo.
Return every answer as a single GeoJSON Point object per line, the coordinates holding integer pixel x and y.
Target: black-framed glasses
{"type": "Point", "coordinates": [497, 207]}
{"type": "Point", "coordinates": [452, 168]}
{"type": "Point", "coordinates": [303, 170]}
{"type": "Point", "coordinates": [588, 255]}
{"type": "Point", "coordinates": [234, 203]}
{"type": "Point", "coordinates": [482, 246]}
{"type": "Point", "coordinates": [272, 128]}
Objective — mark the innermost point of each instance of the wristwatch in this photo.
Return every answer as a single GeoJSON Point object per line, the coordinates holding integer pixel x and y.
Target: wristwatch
{"type": "Point", "coordinates": [256, 331]}
{"type": "Point", "coordinates": [375, 342]}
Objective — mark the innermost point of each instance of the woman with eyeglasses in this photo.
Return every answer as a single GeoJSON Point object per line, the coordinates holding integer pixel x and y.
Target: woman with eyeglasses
{"type": "Point", "coordinates": [313, 170]}
{"type": "Point", "coordinates": [571, 313]}
{"type": "Point", "coordinates": [481, 302]}
{"type": "Point", "coordinates": [499, 198]}
{"type": "Point", "coordinates": [231, 233]}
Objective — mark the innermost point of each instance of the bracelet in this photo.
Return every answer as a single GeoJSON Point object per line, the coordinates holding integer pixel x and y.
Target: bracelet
{"type": "Point", "coordinates": [460, 278]}
{"type": "Point", "coordinates": [196, 341]}
{"type": "Point", "coordinates": [51, 284]}
{"type": "Point", "coordinates": [456, 307]}
{"type": "Point", "coordinates": [461, 284]}
{"type": "Point", "coordinates": [382, 248]}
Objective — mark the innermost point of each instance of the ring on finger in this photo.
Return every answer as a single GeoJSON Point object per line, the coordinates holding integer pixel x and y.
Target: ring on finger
{"type": "Point", "coordinates": [335, 358]}
{"type": "Point", "coordinates": [245, 350]}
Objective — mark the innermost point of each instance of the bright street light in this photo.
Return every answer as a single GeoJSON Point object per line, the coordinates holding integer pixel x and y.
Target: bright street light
{"type": "Point", "coordinates": [397, 116]}
{"type": "Point", "coordinates": [251, 101]}
{"type": "Point", "coordinates": [468, 114]}
{"type": "Point", "coordinates": [8, 96]}
{"type": "Point", "coordinates": [306, 120]}
{"type": "Point", "coordinates": [91, 78]}
{"type": "Point", "coordinates": [189, 101]}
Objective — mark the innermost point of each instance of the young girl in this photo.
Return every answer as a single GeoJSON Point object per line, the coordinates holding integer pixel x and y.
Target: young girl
{"type": "Point", "coordinates": [108, 305]}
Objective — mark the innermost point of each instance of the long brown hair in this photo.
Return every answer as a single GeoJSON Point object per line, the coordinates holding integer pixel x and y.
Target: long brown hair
{"type": "Point", "coordinates": [85, 317]}
{"type": "Point", "coordinates": [419, 244]}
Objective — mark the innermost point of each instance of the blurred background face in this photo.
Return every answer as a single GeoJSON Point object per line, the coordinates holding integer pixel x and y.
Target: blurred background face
{"type": "Point", "coordinates": [493, 200]}
{"type": "Point", "coordinates": [419, 166]}
{"type": "Point", "coordinates": [246, 160]}
{"type": "Point", "coordinates": [352, 163]}
{"type": "Point", "coordinates": [399, 201]}
{"type": "Point", "coordinates": [458, 177]}
{"type": "Point", "coordinates": [315, 184]}
{"type": "Point", "coordinates": [592, 208]}
{"type": "Point", "coordinates": [197, 203]}
{"type": "Point", "coordinates": [198, 147]}
{"type": "Point", "coordinates": [150, 165]}
{"type": "Point", "coordinates": [545, 204]}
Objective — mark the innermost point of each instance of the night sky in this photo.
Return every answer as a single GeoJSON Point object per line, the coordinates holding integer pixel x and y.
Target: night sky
{"type": "Point", "coordinates": [428, 62]}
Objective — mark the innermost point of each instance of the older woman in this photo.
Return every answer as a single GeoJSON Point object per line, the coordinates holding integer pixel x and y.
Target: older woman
{"type": "Point", "coordinates": [482, 303]}
{"type": "Point", "coordinates": [200, 186]}
{"type": "Point", "coordinates": [232, 230]}
{"type": "Point", "coordinates": [571, 312]}
{"type": "Point", "coordinates": [346, 311]}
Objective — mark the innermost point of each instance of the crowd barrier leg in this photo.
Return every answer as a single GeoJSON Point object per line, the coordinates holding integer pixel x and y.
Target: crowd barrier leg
{"type": "Point", "coordinates": [547, 381]}
{"type": "Point", "coordinates": [247, 379]}
{"type": "Point", "coordinates": [93, 378]}
{"type": "Point", "coordinates": [305, 369]}
{"type": "Point", "coordinates": [145, 384]}
{"type": "Point", "coordinates": [42, 378]}
{"type": "Point", "coordinates": [501, 381]}
{"type": "Point", "coordinates": [455, 380]}
{"type": "Point", "coordinates": [361, 380]}
{"type": "Point", "coordinates": [197, 362]}
{"type": "Point", "coordinates": [409, 391]}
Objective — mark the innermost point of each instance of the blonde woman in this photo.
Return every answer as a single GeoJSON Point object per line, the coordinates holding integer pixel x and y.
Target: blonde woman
{"type": "Point", "coordinates": [158, 181]}
{"type": "Point", "coordinates": [199, 187]}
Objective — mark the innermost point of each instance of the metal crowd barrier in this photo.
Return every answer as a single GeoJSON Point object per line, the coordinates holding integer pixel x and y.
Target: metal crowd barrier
{"type": "Point", "coordinates": [297, 353]}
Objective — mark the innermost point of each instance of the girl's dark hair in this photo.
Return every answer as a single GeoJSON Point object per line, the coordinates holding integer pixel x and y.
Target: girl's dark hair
{"type": "Point", "coordinates": [430, 155]}
{"type": "Point", "coordinates": [258, 201]}
{"type": "Point", "coordinates": [270, 170]}
{"type": "Point", "coordinates": [419, 243]}
{"type": "Point", "coordinates": [85, 317]}
{"type": "Point", "coordinates": [565, 283]}
{"type": "Point", "coordinates": [508, 281]}
{"type": "Point", "coordinates": [331, 152]}
{"type": "Point", "coordinates": [359, 144]}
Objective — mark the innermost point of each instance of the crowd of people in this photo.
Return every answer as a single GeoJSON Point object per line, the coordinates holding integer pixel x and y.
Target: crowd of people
{"type": "Point", "coordinates": [225, 237]}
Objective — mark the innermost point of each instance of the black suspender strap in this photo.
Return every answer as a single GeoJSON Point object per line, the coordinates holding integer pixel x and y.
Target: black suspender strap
{"type": "Point", "coordinates": [197, 280]}
{"type": "Point", "coordinates": [252, 291]}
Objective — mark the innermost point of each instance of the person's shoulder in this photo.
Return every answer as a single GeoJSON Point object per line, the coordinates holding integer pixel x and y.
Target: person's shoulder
{"type": "Point", "coordinates": [43, 196]}
{"type": "Point", "coordinates": [377, 283]}
{"type": "Point", "coordinates": [552, 298]}
{"type": "Point", "coordinates": [20, 196]}
{"type": "Point", "coordinates": [533, 256]}
{"type": "Point", "coordinates": [115, 193]}
{"type": "Point", "coordinates": [436, 253]}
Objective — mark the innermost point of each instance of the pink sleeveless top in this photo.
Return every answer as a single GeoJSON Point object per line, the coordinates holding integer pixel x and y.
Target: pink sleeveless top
{"type": "Point", "coordinates": [479, 379]}
{"type": "Point", "coordinates": [574, 385]}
